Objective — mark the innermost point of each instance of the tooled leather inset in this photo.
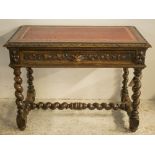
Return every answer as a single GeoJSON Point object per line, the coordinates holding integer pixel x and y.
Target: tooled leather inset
{"type": "Point", "coordinates": [77, 34]}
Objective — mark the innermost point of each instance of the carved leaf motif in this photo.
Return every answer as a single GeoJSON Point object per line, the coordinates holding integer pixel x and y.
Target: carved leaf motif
{"type": "Point", "coordinates": [77, 57]}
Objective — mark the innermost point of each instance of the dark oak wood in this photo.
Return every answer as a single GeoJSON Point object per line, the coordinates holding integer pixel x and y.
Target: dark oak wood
{"type": "Point", "coordinates": [77, 106]}
{"type": "Point", "coordinates": [31, 91]}
{"type": "Point", "coordinates": [77, 47]}
{"type": "Point", "coordinates": [134, 117]}
{"type": "Point", "coordinates": [125, 94]}
{"type": "Point", "coordinates": [21, 113]}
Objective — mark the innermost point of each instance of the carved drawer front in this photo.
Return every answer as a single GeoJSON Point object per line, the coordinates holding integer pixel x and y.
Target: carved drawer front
{"type": "Point", "coordinates": [77, 58]}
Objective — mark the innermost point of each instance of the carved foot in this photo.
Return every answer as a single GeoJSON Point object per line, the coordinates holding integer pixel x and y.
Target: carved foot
{"type": "Point", "coordinates": [21, 121]}
{"type": "Point", "coordinates": [134, 123]}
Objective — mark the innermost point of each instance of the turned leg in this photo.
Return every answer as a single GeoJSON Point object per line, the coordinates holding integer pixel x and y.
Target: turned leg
{"type": "Point", "coordinates": [21, 113]}
{"type": "Point", "coordinates": [30, 91]}
{"type": "Point", "coordinates": [124, 93]}
{"type": "Point", "coordinates": [134, 115]}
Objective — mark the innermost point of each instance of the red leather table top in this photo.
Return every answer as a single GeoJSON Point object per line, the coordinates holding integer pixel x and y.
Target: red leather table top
{"type": "Point", "coordinates": [76, 34]}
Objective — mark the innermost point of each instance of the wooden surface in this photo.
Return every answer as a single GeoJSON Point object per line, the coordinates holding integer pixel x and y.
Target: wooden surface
{"type": "Point", "coordinates": [50, 35]}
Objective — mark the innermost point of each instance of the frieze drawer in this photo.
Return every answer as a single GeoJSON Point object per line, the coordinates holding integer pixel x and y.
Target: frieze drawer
{"type": "Point", "coordinates": [97, 58]}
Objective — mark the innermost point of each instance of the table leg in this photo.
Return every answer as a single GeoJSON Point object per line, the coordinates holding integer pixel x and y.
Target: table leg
{"type": "Point", "coordinates": [134, 116]}
{"type": "Point", "coordinates": [21, 113]}
{"type": "Point", "coordinates": [31, 91]}
{"type": "Point", "coordinates": [124, 93]}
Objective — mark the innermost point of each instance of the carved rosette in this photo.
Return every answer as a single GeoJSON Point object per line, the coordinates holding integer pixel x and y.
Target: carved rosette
{"type": "Point", "coordinates": [76, 56]}
{"type": "Point", "coordinates": [14, 56]}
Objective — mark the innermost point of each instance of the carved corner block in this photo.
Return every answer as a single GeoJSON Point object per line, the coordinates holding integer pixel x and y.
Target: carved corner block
{"type": "Point", "coordinates": [140, 57]}
{"type": "Point", "coordinates": [14, 57]}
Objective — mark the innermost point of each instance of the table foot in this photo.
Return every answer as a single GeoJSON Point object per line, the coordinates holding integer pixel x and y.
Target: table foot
{"type": "Point", "coordinates": [134, 123]}
{"type": "Point", "coordinates": [21, 121]}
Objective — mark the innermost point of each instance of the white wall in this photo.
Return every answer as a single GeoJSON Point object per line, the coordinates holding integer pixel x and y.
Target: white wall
{"type": "Point", "coordinates": [77, 83]}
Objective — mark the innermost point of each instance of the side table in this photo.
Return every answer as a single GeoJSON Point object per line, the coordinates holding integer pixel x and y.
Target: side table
{"type": "Point", "coordinates": [34, 46]}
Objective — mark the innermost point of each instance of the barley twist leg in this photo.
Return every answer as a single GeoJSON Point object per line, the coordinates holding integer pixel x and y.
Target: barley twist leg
{"type": "Point", "coordinates": [30, 90]}
{"type": "Point", "coordinates": [21, 113]}
{"type": "Point", "coordinates": [124, 93]}
{"type": "Point", "coordinates": [134, 116]}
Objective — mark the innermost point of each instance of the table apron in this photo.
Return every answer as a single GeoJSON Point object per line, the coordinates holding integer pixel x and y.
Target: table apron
{"type": "Point", "coordinates": [77, 59]}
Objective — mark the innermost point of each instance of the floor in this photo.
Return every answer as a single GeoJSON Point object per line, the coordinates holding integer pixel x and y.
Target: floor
{"type": "Point", "coordinates": [71, 122]}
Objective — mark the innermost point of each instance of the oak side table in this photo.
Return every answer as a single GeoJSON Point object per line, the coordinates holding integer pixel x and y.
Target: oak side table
{"type": "Point", "coordinates": [35, 46]}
